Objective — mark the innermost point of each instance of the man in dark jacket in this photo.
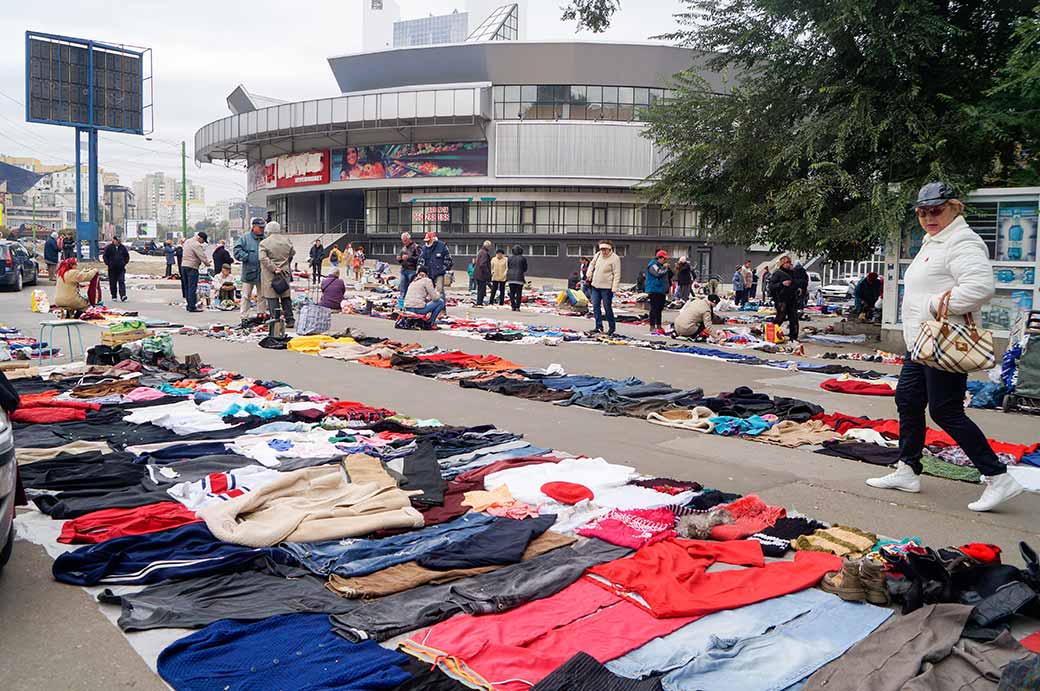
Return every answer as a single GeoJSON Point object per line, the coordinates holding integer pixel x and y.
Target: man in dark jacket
{"type": "Point", "coordinates": [801, 279]}
{"type": "Point", "coordinates": [783, 288]}
{"type": "Point", "coordinates": [116, 258]}
{"type": "Point", "coordinates": [221, 256]}
{"type": "Point", "coordinates": [408, 258]}
{"type": "Point", "coordinates": [52, 256]}
{"type": "Point", "coordinates": [868, 292]}
{"type": "Point", "coordinates": [684, 278]}
{"type": "Point", "coordinates": [316, 257]}
{"type": "Point", "coordinates": [436, 259]}
{"type": "Point", "coordinates": [482, 271]}
{"type": "Point", "coordinates": [516, 276]}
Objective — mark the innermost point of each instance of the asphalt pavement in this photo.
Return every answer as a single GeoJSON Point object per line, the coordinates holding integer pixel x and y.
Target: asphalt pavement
{"type": "Point", "coordinates": [54, 637]}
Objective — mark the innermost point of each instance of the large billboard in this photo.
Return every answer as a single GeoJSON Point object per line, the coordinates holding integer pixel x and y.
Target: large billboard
{"type": "Point", "coordinates": [424, 160]}
{"type": "Point", "coordinates": [84, 83]}
{"type": "Point", "coordinates": [289, 170]}
{"type": "Point", "coordinates": [141, 230]}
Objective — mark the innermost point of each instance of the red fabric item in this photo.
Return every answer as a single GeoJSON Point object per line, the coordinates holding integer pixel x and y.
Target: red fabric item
{"type": "Point", "coordinates": [27, 399]}
{"type": "Point", "coordinates": [1032, 642]}
{"type": "Point", "coordinates": [671, 576]}
{"type": "Point", "coordinates": [99, 526]}
{"type": "Point", "coordinates": [987, 554]}
{"type": "Point", "coordinates": [861, 388]}
{"type": "Point", "coordinates": [42, 415]}
{"type": "Point", "coordinates": [518, 648]}
{"type": "Point", "coordinates": [566, 492]}
{"type": "Point", "coordinates": [633, 528]}
{"type": "Point", "coordinates": [353, 410]}
{"type": "Point", "coordinates": [750, 515]}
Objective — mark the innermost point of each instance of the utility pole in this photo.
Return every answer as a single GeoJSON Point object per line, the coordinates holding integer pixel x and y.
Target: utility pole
{"type": "Point", "coordinates": [34, 223]}
{"type": "Point", "coordinates": [184, 191]}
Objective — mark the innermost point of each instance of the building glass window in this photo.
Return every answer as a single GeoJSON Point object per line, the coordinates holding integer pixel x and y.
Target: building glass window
{"type": "Point", "coordinates": [573, 102]}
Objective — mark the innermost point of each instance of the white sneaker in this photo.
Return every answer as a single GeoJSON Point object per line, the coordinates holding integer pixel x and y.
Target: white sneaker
{"type": "Point", "coordinates": [903, 479]}
{"type": "Point", "coordinates": [999, 488]}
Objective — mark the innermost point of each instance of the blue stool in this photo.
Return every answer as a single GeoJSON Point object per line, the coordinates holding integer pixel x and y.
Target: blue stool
{"type": "Point", "coordinates": [47, 329]}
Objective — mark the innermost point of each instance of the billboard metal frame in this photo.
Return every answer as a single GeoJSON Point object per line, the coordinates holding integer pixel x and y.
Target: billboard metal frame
{"type": "Point", "coordinates": [87, 230]}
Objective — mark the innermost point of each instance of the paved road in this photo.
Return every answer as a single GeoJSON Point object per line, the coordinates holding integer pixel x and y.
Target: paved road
{"type": "Point", "coordinates": [50, 620]}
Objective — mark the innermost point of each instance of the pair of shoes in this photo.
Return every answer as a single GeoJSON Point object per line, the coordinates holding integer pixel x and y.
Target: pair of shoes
{"type": "Point", "coordinates": [999, 488]}
{"type": "Point", "coordinates": [904, 479]}
{"type": "Point", "coordinates": [290, 325]}
{"type": "Point", "coordinates": [194, 310]}
{"type": "Point", "coordinates": [123, 299]}
{"type": "Point", "coordinates": [612, 332]}
{"type": "Point", "coordinates": [857, 581]}
{"type": "Point", "coordinates": [872, 576]}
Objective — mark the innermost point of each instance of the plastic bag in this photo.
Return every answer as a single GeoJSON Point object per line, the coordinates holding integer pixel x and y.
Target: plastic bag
{"type": "Point", "coordinates": [40, 303]}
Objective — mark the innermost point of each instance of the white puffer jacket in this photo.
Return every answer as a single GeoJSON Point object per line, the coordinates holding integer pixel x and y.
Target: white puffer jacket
{"type": "Point", "coordinates": [954, 259]}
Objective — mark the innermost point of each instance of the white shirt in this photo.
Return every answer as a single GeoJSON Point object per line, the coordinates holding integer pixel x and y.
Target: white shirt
{"type": "Point", "coordinates": [222, 486]}
{"type": "Point", "coordinates": [954, 259]}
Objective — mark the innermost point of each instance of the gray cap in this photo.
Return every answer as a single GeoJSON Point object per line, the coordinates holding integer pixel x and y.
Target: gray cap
{"type": "Point", "coordinates": [257, 221]}
{"type": "Point", "coordinates": [934, 194]}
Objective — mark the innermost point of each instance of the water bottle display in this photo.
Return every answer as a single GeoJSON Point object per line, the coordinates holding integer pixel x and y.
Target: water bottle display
{"type": "Point", "coordinates": [1016, 232]}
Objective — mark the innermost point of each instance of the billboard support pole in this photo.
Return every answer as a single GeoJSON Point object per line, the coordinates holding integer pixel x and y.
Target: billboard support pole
{"type": "Point", "coordinates": [79, 194]}
{"type": "Point", "coordinates": [92, 188]}
{"type": "Point", "coordinates": [184, 192]}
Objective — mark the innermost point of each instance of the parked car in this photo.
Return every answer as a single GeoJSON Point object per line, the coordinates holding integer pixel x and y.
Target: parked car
{"type": "Point", "coordinates": [8, 482]}
{"type": "Point", "coordinates": [145, 247]}
{"type": "Point", "coordinates": [842, 289]}
{"type": "Point", "coordinates": [815, 283]}
{"type": "Point", "coordinates": [18, 266]}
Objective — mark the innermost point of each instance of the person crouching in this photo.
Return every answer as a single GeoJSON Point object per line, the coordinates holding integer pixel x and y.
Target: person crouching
{"type": "Point", "coordinates": [422, 298]}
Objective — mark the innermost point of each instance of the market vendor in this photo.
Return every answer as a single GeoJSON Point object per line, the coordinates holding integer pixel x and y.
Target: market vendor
{"type": "Point", "coordinates": [332, 291]}
{"type": "Point", "coordinates": [695, 318]}
{"type": "Point", "coordinates": [868, 292]}
{"type": "Point", "coordinates": [422, 297]}
{"type": "Point", "coordinates": [224, 284]}
{"type": "Point", "coordinates": [67, 293]}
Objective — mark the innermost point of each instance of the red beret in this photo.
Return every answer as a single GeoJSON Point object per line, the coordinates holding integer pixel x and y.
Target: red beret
{"type": "Point", "coordinates": [566, 492]}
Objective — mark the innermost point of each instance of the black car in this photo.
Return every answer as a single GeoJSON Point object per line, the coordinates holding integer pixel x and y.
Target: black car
{"type": "Point", "coordinates": [147, 247]}
{"type": "Point", "coordinates": [18, 266]}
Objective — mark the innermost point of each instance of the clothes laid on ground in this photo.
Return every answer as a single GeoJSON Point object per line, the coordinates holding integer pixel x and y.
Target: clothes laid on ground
{"type": "Point", "coordinates": [858, 386]}
{"type": "Point", "coordinates": [503, 542]}
{"type": "Point", "coordinates": [222, 486]}
{"type": "Point", "coordinates": [109, 524]}
{"type": "Point", "coordinates": [260, 589]}
{"type": "Point", "coordinates": [838, 539]}
{"type": "Point", "coordinates": [318, 503]}
{"type": "Point", "coordinates": [771, 644]}
{"type": "Point", "coordinates": [498, 591]}
{"type": "Point", "coordinates": [920, 651]}
{"type": "Point", "coordinates": [292, 651]}
{"type": "Point", "coordinates": [634, 528]}
{"type": "Point", "coordinates": [183, 552]}
{"type": "Point", "coordinates": [403, 577]}
{"type": "Point", "coordinates": [584, 673]}
{"type": "Point", "coordinates": [776, 539]}
{"type": "Point", "coordinates": [750, 515]}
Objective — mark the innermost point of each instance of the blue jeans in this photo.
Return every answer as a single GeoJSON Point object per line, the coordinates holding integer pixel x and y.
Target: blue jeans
{"type": "Point", "coordinates": [768, 645]}
{"type": "Point", "coordinates": [433, 309]}
{"type": "Point", "coordinates": [603, 298]}
{"type": "Point", "coordinates": [407, 276]}
{"type": "Point", "coordinates": [360, 557]}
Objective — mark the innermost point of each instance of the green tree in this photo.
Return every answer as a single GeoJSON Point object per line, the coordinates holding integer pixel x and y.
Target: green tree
{"type": "Point", "coordinates": [594, 15]}
{"type": "Point", "coordinates": [827, 115]}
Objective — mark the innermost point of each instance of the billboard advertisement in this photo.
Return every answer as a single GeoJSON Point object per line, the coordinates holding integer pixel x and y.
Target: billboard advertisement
{"type": "Point", "coordinates": [75, 81]}
{"type": "Point", "coordinates": [1017, 231]}
{"type": "Point", "coordinates": [423, 160]}
{"type": "Point", "coordinates": [141, 230]}
{"type": "Point", "coordinates": [289, 170]}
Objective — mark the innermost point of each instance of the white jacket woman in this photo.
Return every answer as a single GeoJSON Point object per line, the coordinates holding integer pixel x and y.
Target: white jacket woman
{"type": "Point", "coordinates": [954, 259]}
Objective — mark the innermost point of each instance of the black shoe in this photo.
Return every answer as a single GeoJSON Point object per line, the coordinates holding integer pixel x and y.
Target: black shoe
{"type": "Point", "coordinates": [612, 332]}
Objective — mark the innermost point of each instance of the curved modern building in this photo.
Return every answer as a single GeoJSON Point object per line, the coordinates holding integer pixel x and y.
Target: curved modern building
{"type": "Point", "coordinates": [532, 143]}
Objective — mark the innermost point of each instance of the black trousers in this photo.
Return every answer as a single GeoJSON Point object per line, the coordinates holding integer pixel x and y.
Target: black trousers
{"type": "Point", "coordinates": [169, 270]}
{"type": "Point", "coordinates": [656, 309]}
{"type": "Point", "coordinates": [117, 282]}
{"type": "Point", "coordinates": [943, 392]}
{"type": "Point", "coordinates": [315, 273]}
{"type": "Point", "coordinates": [482, 287]}
{"type": "Point", "coordinates": [500, 286]}
{"type": "Point", "coordinates": [515, 291]}
{"type": "Point", "coordinates": [788, 311]}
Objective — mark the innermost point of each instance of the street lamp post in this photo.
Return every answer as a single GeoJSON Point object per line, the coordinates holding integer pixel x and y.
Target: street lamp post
{"type": "Point", "coordinates": [184, 191]}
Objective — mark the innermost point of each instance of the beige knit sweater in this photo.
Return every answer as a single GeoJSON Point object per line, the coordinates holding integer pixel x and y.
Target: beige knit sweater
{"type": "Point", "coordinates": [319, 503]}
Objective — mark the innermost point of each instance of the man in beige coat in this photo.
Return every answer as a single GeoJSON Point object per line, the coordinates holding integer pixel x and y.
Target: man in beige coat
{"type": "Point", "coordinates": [276, 255]}
{"type": "Point", "coordinates": [695, 318]}
{"type": "Point", "coordinates": [195, 256]}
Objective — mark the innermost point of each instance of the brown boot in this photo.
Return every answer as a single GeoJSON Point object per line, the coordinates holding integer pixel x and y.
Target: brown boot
{"type": "Point", "coordinates": [845, 583]}
{"type": "Point", "coordinates": [873, 579]}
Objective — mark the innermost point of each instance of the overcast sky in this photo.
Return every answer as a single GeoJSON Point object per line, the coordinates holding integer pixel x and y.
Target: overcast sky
{"type": "Point", "coordinates": [202, 50]}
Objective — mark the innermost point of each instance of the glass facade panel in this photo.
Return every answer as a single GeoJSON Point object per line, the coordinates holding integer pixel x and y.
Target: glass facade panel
{"type": "Point", "coordinates": [406, 104]}
{"type": "Point", "coordinates": [578, 102]}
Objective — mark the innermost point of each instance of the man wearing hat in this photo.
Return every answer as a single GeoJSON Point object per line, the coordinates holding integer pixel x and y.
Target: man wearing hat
{"type": "Point", "coordinates": [52, 255]}
{"type": "Point", "coordinates": [422, 297]}
{"type": "Point", "coordinates": [247, 251]}
{"type": "Point", "coordinates": [434, 256]}
{"type": "Point", "coordinates": [657, 283]}
{"type": "Point", "coordinates": [195, 257]}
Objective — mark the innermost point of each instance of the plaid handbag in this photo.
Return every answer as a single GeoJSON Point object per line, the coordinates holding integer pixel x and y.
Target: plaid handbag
{"type": "Point", "coordinates": [951, 346]}
{"type": "Point", "coordinates": [314, 319]}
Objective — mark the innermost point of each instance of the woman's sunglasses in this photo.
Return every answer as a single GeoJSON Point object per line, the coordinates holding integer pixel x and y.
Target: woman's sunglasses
{"type": "Point", "coordinates": [930, 210]}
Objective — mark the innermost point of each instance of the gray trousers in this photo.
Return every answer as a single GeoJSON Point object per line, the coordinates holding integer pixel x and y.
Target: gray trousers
{"type": "Point", "coordinates": [280, 307]}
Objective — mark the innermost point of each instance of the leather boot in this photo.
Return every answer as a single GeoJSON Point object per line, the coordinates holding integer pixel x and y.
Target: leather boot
{"type": "Point", "coordinates": [873, 580]}
{"type": "Point", "coordinates": [845, 583]}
